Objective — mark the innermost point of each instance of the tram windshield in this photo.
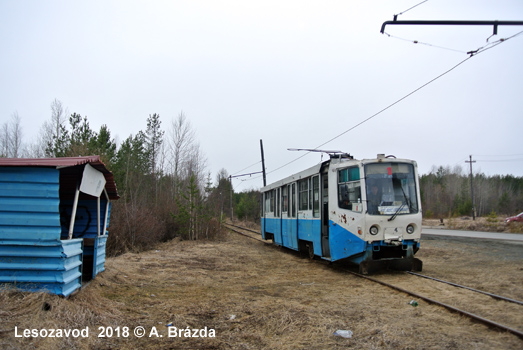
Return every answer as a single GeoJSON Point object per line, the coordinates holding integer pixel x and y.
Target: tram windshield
{"type": "Point", "coordinates": [391, 189]}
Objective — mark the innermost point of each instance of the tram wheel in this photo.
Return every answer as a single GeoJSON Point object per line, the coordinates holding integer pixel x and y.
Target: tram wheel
{"type": "Point", "coordinates": [311, 250]}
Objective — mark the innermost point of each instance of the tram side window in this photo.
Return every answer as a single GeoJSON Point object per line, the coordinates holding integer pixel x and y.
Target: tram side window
{"type": "Point", "coordinates": [285, 198]}
{"type": "Point", "coordinates": [269, 201]}
{"type": "Point", "coordinates": [316, 196]}
{"type": "Point", "coordinates": [277, 191]}
{"type": "Point", "coordinates": [349, 188]}
{"type": "Point", "coordinates": [273, 198]}
{"type": "Point", "coordinates": [310, 193]}
{"type": "Point", "coordinates": [303, 194]}
{"type": "Point", "coordinates": [293, 200]}
{"type": "Point", "coordinates": [262, 205]}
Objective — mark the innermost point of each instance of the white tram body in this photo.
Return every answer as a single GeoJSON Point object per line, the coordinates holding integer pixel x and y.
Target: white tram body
{"type": "Point", "coordinates": [364, 211]}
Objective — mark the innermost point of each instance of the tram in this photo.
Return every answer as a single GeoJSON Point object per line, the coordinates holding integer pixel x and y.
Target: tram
{"type": "Point", "coordinates": [367, 212]}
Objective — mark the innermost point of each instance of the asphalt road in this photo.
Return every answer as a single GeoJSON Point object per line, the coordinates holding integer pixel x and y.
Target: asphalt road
{"type": "Point", "coordinates": [473, 234]}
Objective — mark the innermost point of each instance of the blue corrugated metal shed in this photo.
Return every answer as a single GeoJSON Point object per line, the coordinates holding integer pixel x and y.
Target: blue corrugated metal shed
{"type": "Point", "coordinates": [50, 238]}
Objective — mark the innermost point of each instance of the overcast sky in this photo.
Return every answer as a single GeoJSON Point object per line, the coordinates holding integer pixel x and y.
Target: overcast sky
{"type": "Point", "coordinates": [293, 73]}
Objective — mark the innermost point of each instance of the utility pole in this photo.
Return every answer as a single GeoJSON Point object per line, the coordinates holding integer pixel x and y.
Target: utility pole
{"type": "Point", "coordinates": [470, 161]}
{"type": "Point", "coordinates": [263, 164]}
{"type": "Point", "coordinates": [230, 183]}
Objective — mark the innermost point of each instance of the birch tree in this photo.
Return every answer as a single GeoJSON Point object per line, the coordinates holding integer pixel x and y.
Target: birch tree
{"type": "Point", "coordinates": [54, 131]}
{"type": "Point", "coordinates": [11, 137]}
{"type": "Point", "coordinates": [181, 138]}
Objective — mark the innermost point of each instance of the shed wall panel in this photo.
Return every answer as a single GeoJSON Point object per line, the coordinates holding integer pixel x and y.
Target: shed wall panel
{"type": "Point", "coordinates": [29, 203]}
{"type": "Point", "coordinates": [99, 255]}
{"type": "Point", "coordinates": [55, 267]}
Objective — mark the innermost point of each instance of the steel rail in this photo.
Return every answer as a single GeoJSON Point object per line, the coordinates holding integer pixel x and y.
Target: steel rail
{"type": "Point", "coordinates": [414, 294]}
{"type": "Point", "coordinates": [244, 228]}
{"type": "Point", "coordinates": [449, 307]}
{"type": "Point", "coordinates": [244, 234]}
{"type": "Point", "coordinates": [469, 288]}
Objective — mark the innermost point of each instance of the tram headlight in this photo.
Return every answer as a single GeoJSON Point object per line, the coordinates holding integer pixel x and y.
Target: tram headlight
{"type": "Point", "coordinates": [410, 229]}
{"type": "Point", "coordinates": [374, 230]}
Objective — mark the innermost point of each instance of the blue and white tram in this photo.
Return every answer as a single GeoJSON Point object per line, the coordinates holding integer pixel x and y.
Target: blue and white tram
{"type": "Point", "coordinates": [365, 211]}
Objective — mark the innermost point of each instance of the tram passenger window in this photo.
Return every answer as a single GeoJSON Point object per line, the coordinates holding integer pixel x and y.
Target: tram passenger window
{"type": "Point", "coordinates": [293, 200]}
{"type": "Point", "coordinates": [268, 201]}
{"type": "Point", "coordinates": [349, 189]}
{"type": "Point", "coordinates": [277, 202]}
{"type": "Point", "coordinates": [316, 196]}
{"type": "Point", "coordinates": [303, 194]}
{"type": "Point", "coordinates": [310, 193]}
{"type": "Point", "coordinates": [285, 198]}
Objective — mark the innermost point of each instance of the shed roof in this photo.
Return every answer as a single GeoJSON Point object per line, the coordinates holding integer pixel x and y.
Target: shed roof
{"type": "Point", "coordinates": [67, 162]}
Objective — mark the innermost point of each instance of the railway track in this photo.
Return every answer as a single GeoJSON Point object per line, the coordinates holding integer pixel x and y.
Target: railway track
{"type": "Point", "coordinates": [426, 286]}
{"type": "Point", "coordinates": [239, 229]}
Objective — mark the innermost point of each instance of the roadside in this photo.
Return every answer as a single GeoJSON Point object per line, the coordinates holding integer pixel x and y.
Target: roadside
{"type": "Point", "coordinates": [466, 223]}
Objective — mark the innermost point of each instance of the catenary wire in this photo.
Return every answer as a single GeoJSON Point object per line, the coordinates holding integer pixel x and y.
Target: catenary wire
{"type": "Point", "coordinates": [412, 7]}
{"type": "Point", "coordinates": [472, 54]}
{"type": "Point", "coordinates": [498, 155]}
{"type": "Point", "coordinates": [499, 160]}
{"type": "Point", "coordinates": [250, 166]}
{"type": "Point", "coordinates": [480, 50]}
{"type": "Point", "coordinates": [396, 102]}
{"type": "Point", "coordinates": [422, 43]}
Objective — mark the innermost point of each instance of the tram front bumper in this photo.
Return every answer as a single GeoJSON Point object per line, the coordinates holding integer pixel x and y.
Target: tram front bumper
{"type": "Point", "coordinates": [407, 262]}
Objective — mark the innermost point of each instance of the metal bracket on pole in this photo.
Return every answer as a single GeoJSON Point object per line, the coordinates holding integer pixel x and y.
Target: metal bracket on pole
{"type": "Point", "coordinates": [452, 23]}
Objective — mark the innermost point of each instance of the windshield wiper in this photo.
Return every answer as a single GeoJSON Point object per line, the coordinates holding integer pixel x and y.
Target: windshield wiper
{"type": "Point", "coordinates": [396, 213]}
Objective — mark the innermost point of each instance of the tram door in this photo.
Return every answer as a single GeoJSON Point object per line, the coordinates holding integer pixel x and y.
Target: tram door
{"type": "Point", "coordinates": [325, 248]}
{"type": "Point", "coordinates": [284, 215]}
{"type": "Point", "coordinates": [292, 222]}
{"type": "Point", "coordinates": [278, 213]}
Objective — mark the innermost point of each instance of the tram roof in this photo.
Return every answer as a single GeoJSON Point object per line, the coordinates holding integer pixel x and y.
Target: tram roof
{"type": "Point", "coordinates": [317, 168]}
{"type": "Point", "coordinates": [295, 177]}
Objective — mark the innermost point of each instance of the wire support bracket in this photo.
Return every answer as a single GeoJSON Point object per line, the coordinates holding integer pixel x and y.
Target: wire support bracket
{"type": "Point", "coordinates": [495, 24]}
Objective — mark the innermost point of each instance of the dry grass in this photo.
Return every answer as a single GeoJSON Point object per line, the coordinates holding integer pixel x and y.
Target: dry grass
{"type": "Point", "coordinates": [262, 297]}
{"type": "Point", "coordinates": [485, 224]}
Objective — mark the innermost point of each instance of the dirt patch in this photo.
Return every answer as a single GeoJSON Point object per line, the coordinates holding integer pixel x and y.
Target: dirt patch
{"type": "Point", "coordinates": [256, 296]}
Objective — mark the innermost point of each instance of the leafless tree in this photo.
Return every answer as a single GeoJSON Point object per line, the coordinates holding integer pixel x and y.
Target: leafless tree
{"type": "Point", "coordinates": [181, 139]}
{"type": "Point", "coordinates": [15, 138]}
{"type": "Point", "coordinates": [4, 140]}
{"type": "Point", "coordinates": [52, 129]}
{"type": "Point", "coordinates": [195, 164]}
{"type": "Point", "coordinates": [11, 138]}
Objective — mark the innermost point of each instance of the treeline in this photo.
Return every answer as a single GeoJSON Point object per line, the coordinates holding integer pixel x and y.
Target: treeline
{"type": "Point", "coordinates": [160, 174]}
{"type": "Point", "coordinates": [166, 190]}
{"type": "Point", "coordinates": [446, 192]}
